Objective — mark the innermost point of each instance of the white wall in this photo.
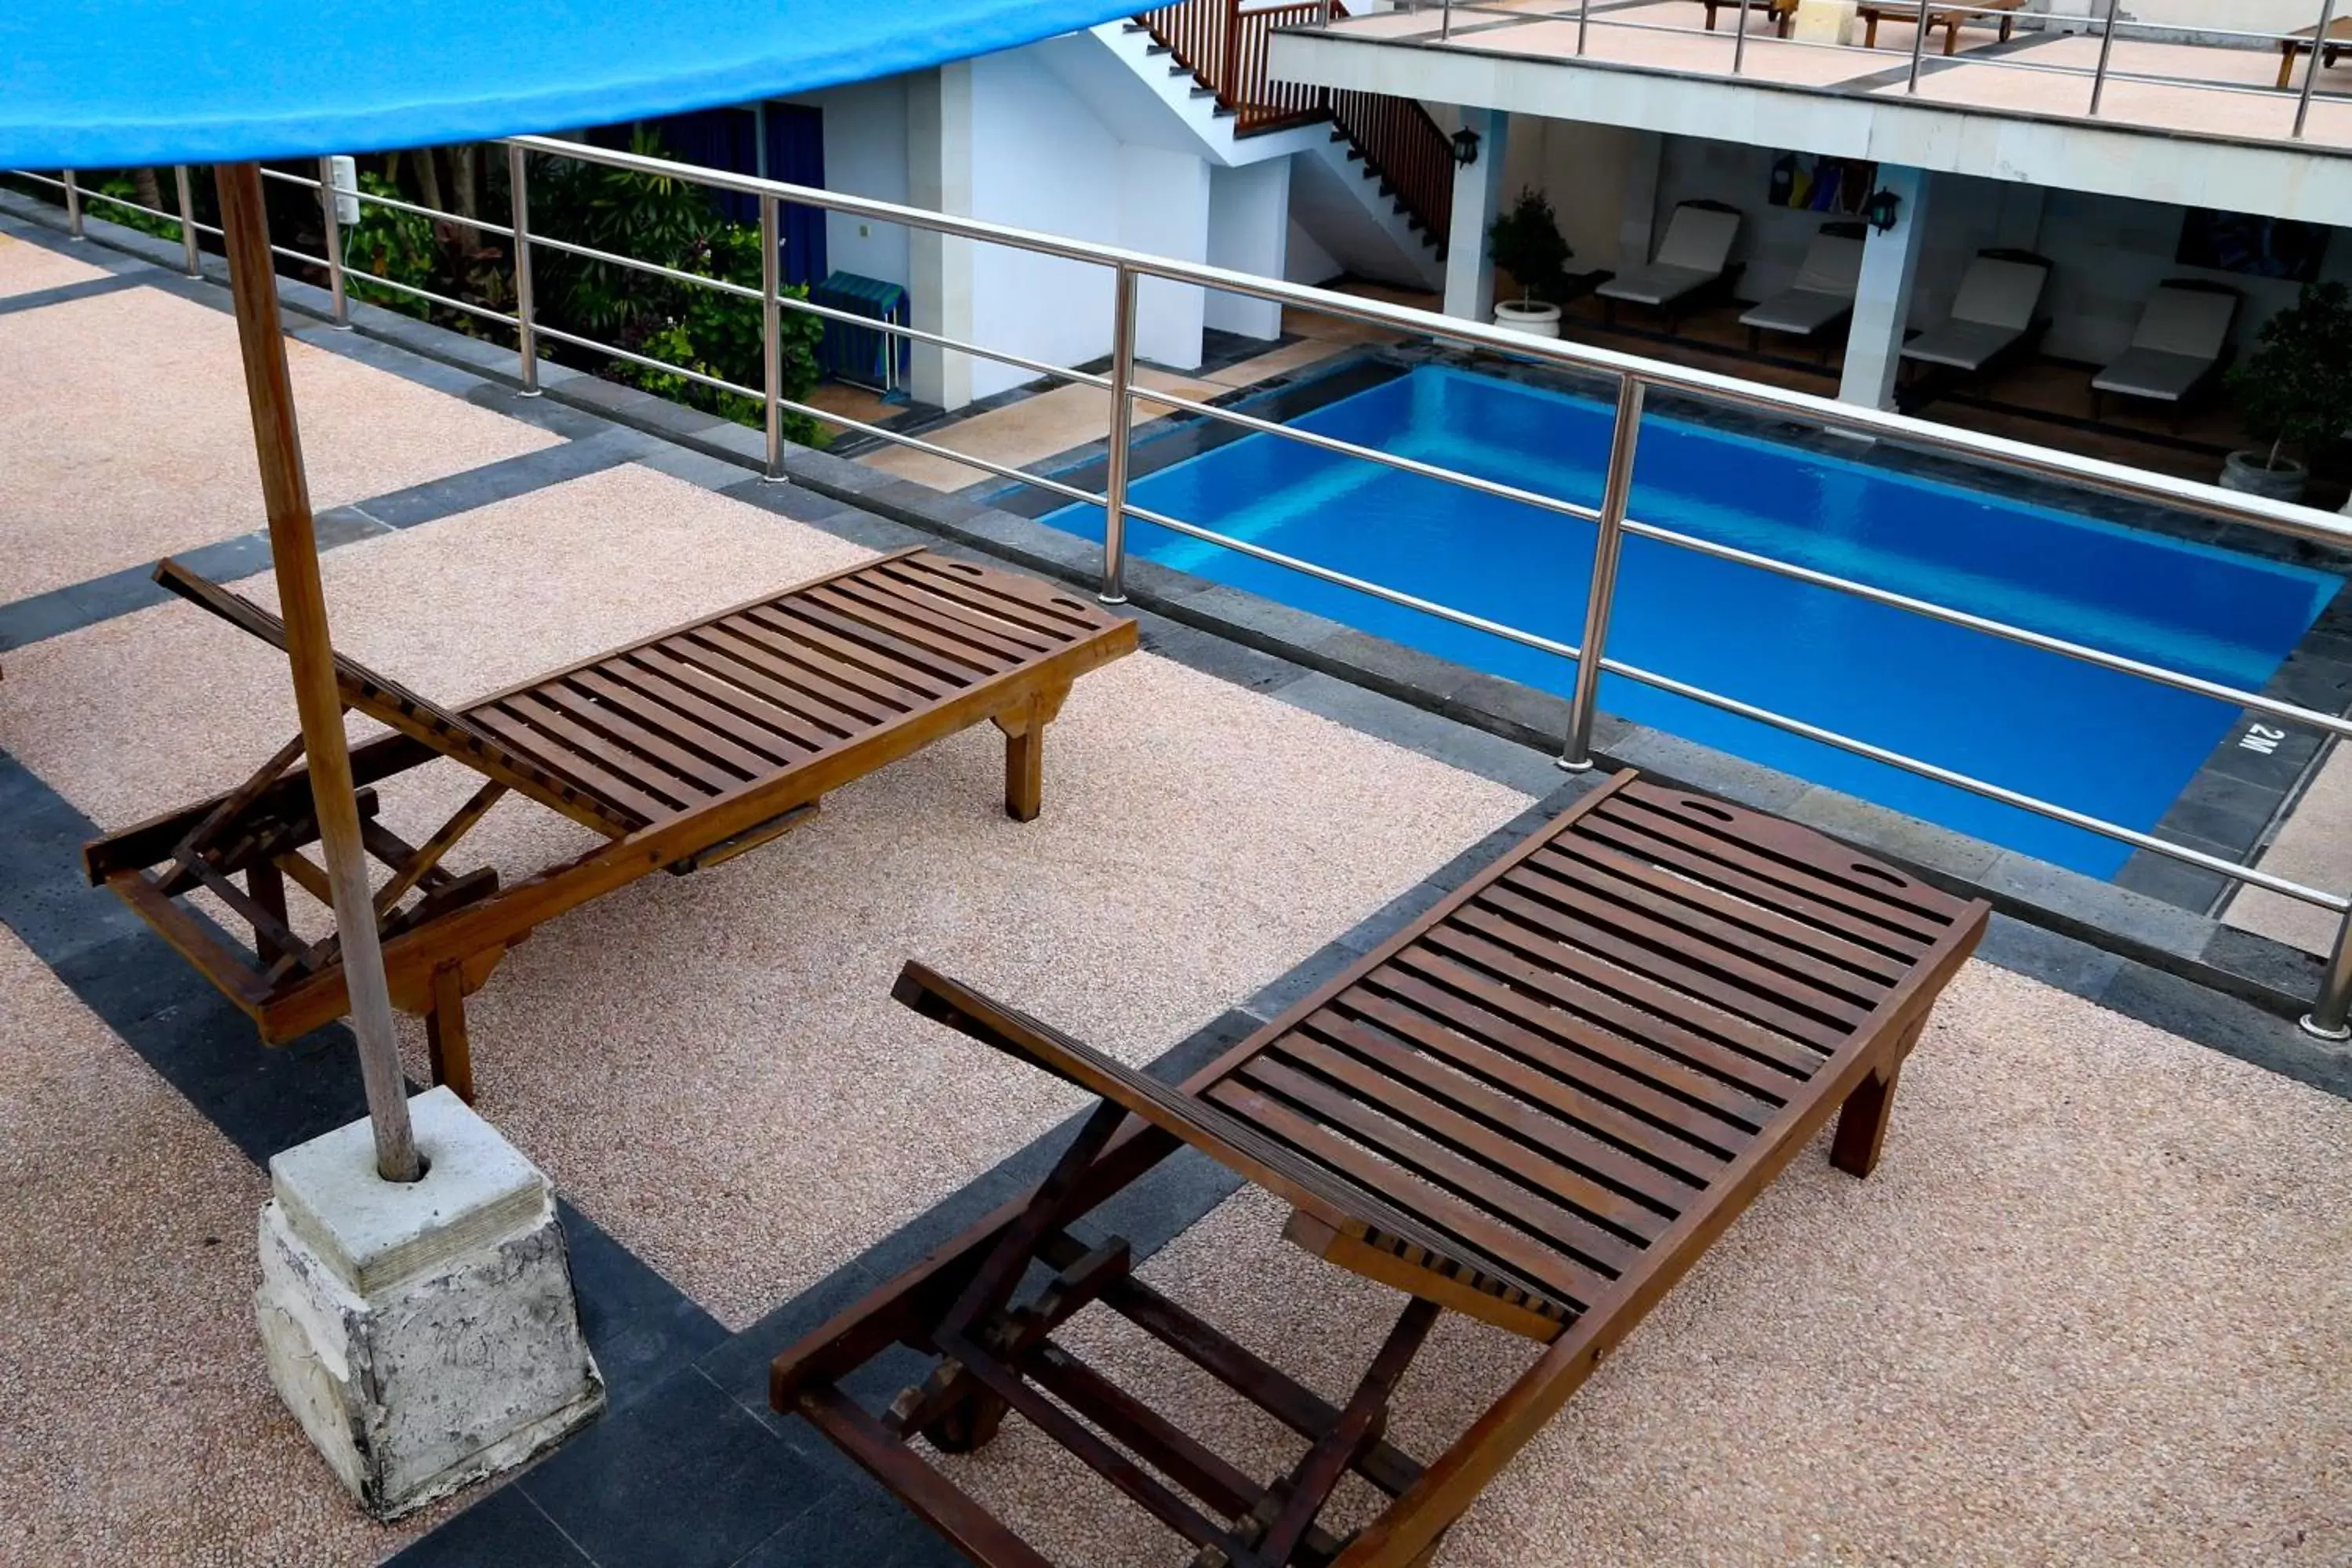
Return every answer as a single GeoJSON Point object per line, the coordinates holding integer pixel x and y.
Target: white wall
{"type": "Point", "coordinates": [2233, 16]}
{"type": "Point", "coordinates": [1040, 159]}
{"type": "Point", "coordinates": [1249, 226]}
{"type": "Point", "coordinates": [1305, 261]}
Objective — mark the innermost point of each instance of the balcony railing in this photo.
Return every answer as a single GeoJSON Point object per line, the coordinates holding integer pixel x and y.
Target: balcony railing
{"type": "Point", "coordinates": [1634, 378]}
{"type": "Point", "coordinates": [2110, 25]}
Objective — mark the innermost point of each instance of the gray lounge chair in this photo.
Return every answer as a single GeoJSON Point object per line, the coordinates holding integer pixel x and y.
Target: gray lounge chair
{"type": "Point", "coordinates": [1821, 298]}
{"type": "Point", "coordinates": [2182, 334]}
{"type": "Point", "coordinates": [1992, 317]}
{"type": "Point", "coordinates": [1693, 259]}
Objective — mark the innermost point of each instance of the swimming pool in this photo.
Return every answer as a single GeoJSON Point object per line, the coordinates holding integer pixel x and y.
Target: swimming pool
{"type": "Point", "coordinates": [2091, 739]}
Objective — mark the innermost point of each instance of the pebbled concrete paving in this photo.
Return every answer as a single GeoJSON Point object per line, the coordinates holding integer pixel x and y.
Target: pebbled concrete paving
{"type": "Point", "coordinates": [128, 436]}
{"type": "Point", "coordinates": [2093, 1308]}
{"type": "Point", "coordinates": [28, 268]}
{"type": "Point", "coordinates": [141, 1424]}
{"type": "Point", "coordinates": [711, 1066]}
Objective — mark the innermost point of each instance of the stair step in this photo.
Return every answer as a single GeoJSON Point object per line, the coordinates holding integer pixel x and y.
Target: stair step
{"type": "Point", "coordinates": [1133, 27]}
{"type": "Point", "coordinates": [1355, 154]}
{"type": "Point", "coordinates": [1204, 93]}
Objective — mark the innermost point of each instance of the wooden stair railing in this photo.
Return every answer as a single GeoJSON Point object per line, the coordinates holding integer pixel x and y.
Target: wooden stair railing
{"type": "Point", "coordinates": [1225, 43]}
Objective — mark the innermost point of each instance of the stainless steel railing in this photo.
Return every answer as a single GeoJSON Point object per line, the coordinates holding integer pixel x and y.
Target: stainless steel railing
{"type": "Point", "coordinates": [1634, 379]}
{"type": "Point", "coordinates": [2109, 24]}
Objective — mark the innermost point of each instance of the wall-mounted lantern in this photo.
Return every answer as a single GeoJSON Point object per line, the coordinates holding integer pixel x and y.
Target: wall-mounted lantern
{"type": "Point", "coordinates": [1466, 146]}
{"type": "Point", "coordinates": [1881, 210]}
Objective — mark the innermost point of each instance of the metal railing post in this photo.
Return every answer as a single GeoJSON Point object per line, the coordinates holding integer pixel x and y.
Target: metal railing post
{"type": "Point", "coordinates": [189, 251]}
{"type": "Point", "coordinates": [1739, 40]}
{"type": "Point", "coordinates": [2107, 46]}
{"type": "Point", "coordinates": [2330, 1017]}
{"type": "Point", "coordinates": [330, 204]}
{"type": "Point", "coordinates": [1445, 22]}
{"type": "Point", "coordinates": [526, 334]}
{"type": "Point", "coordinates": [2310, 71]}
{"type": "Point", "coordinates": [1616, 491]}
{"type": "Point", "coordinates": [1918, 48]}
{"type": "Point", "coordinates": [1583, 24]}
{"type": "Point", "coordinates": [1122, 413]}
{"type": "Point", "coordinates": [772, 321]}
{"type": "Point", "coordinates": [73, 202]}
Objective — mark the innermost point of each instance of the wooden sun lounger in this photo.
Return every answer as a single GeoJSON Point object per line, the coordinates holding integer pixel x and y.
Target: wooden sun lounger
{"type": "Point", "coordinates": [1951, 19]}
{"type": "Point", "coordinates": [2338, 44]}
{"type": "Point", "coordinates": [1538, 1105]}
{"type": "Point", "coordinates": [682, 749]}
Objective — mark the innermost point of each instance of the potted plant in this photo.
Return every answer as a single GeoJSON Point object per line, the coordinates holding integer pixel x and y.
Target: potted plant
{"type": "Point", "coordinates": [2295, 390]}
{"type": "Point", "coordinates": [1526, 242]}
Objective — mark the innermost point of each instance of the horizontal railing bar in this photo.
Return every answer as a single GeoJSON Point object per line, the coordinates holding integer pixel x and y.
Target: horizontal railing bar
{"type": "Point", "coordinates": [715, 382]}
{"type": "Point", "coordinates": [2167, 33]}
{"type": "Point", "coordinates": [307, 181]}
{"type": "Point", "coordinates": [723, 285]}
{"type": "Point", "coordinates": [358, 275]}
{"type": "Point", "coordinates": [828, 416]}
{"type": "Point", "coordinates": [485, 224]}
{"type": "Point", "coordinates": [290, 254]}
{"type": "Point", "coordinates": [88, 195]}
{"type": "Point", "coordinates": [2235, 696]}
{"type": "Point", "coordinates": [791, 302]}
{"type": "Point", "coordinates": [2113, 479]}
{"type": "Point", "coordinates": [957, 345]}
{"type": "Point", "coordinates": [45, 180]}
{"type": "Point", "coordinates": [1362, 586]}
{"type": "Point", "coordinates": [1974, 785]}
{"type": "Point", "coordinates": [1371, 454]}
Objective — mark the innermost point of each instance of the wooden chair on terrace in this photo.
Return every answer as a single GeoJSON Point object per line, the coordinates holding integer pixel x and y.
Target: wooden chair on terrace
{"type": "Point", "coordinates": [1538, 1106]}
{"type": "Point", "coordinates": [682, 749]}
{"type": "Point", "coordinates": [1951, 18]}
{"type": "Point", "coordinates": [2338, 43]}
{"type": "Point", "coordinates": [1779, 14]}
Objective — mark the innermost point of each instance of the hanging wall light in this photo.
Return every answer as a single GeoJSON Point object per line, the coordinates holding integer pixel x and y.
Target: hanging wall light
{"type": "Point", "coordinates": [1881, 210]}
{"type": "Point", "coordinates": [1466, 146]}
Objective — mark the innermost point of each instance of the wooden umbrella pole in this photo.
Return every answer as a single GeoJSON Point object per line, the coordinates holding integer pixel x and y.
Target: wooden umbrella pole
{"type": "Point", "coordinates": [294, 551]}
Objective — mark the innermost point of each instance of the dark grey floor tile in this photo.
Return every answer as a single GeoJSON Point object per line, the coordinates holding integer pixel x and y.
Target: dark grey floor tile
{"type": "Point", "coordinates": [504, 1530]}
{"type": "Point", "coordinates": [640, 1327]}
{"type": "Point", "coordinates": [687, 1477]}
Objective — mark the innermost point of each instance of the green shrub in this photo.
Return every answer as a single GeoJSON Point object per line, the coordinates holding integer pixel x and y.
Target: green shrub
{"type": "Point", "coordinates": [390, 243]}
{"type": "Point", "coordinates": [1526, 242]}
{"type": "Point", "coordinates": [669, 221]}
{"type": "Point", "coordinates": [2296, 388]}
{"type": "Point", "coordinates": [122, 189]}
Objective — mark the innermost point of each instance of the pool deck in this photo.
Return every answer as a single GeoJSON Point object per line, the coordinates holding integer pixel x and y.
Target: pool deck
{"type": "Point", "coordinates": [1222, 827]}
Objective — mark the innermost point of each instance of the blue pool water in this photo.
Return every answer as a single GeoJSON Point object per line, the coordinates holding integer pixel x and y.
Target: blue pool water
{"type": "Point", "coordinates": [2087, 737]}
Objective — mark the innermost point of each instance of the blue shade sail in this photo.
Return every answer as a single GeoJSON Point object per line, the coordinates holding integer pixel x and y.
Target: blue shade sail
{"type": "Point", "coordinates": [104, 83]}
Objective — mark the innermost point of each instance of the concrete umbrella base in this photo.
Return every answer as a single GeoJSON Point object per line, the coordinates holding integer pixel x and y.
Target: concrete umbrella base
{"type": "Point", "coordinates": [425, 1334]}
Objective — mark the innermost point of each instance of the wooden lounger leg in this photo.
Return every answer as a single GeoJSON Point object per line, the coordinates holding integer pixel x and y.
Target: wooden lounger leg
{"type": "Point", "coordinates": [445, 1033]}
{"type": "Point", "coordinates": [1025, 751]}
{"type": "Point", "coordinates": [1861, 1122]}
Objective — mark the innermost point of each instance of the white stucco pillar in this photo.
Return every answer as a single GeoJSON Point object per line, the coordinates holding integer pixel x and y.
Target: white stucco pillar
{"type": "Point", "coordinates": [1477, 198]}
{"type": "Point", "coordinates": [939, 176]}
{"type": "Point", "coordinates": [1646, 156]}
{"type": "Point", "coordinates": [1249, 231]}
{"type": "Point", "coordinates": [1882, 300]}
{"type": "Point", "coordinates": [1163, 210]}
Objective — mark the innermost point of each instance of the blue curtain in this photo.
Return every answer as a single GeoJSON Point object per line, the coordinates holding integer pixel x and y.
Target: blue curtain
{"type": "Point", "coordinates": [796, 156]}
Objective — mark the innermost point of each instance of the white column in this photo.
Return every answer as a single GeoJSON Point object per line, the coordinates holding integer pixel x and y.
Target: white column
{"type": "Point", "coordinates": [1477, 198]}
{"type": "Point", "coordinates": [1163, 210]}
{"type": "Point", "coordinates": [939, 176]}
{"type": "Point", "coordinates": [1882, 301]}
{"type": "Point", "coordinates": [1249, 231]}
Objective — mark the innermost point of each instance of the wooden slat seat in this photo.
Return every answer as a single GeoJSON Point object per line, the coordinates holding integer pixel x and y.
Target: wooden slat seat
{"type": "Point", "coordinates": [1537, 1105]}
{"type": "Point", "coordinates": [682, 749]}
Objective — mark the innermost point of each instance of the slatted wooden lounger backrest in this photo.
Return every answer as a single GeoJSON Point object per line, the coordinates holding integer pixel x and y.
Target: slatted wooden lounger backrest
{"type": "Point", "coordinates": [1555, 1071]}
{"type": "Point", "coordinates": [385, 699]}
